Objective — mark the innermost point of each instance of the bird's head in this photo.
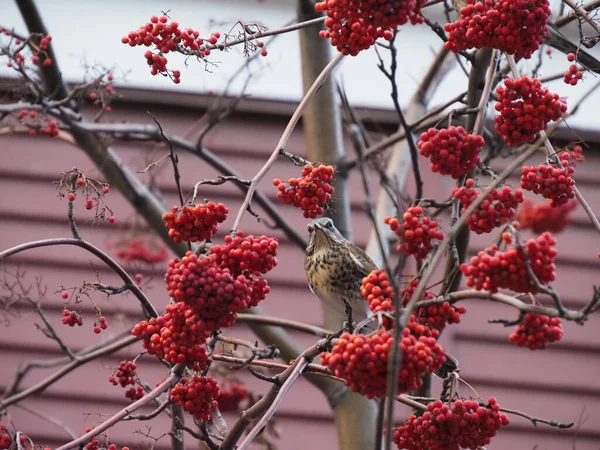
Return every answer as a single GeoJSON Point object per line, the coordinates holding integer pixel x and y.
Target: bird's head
{"type": "Point", "coordinates": [323, 234]}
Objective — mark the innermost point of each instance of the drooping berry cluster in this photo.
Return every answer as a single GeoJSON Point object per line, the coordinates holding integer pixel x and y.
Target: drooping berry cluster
{"type": "Point", "coordinates": [134, 393]}
{"type": "Point", "coordinates": [536, 330]}
{"type": "Point", "coordinates": [554, 182]}
{"type": "Point", "coordinates": [355, 25]}
{"type": "Point", "coordinates": [212, 292]}
{"type": "Point", "coordinates": [196, 395]}
{"type": "Point", "coordinates": [247, 255]}
{"type": "Point", "coordinates": [310, 192]}
{"type": "Point", "coordinates": [433, 316]}
{"type": "Point", "coordinates": [178, 336]}
{"type": "Point", "coordinates": [525, 108]}
{"type": "Point", "coordinates": [515, 27]}
{"type": "Point", "coordinates": [71, 318]}
{"type": "Point", "coordinates": [378, 292]}
{"type": "Point", "coordinates": [493, 269]}
{"type": "Point", "coordinates": [573, 75]}
{"type": "Point", "coordinates": [231, 395]}
{"type": "Point", "coordinates": [498, 208]}
{"type": "Point", "coordinates": [452, 151]}
{"type": "Point", "coordinates": [465, 424]}
{"type": "Point", "coordinates": [545, 217]}
{"type": "Point", "coordinates": [195, 222]}
{"type": "Point", "coordinates": [162, 37]}
{"type": "Point", "coordinates": [137, 249]}
{"type": "Point", "coordinates": [124, 374]}
{"type": "Point", "coordinates": [102, 324]}
{"type": "Point", "coordinates": [362, 360]}
{"type": "Point", "coordinates": [38, 123]}
{"type": "Point", "coordinates": [417, 232]}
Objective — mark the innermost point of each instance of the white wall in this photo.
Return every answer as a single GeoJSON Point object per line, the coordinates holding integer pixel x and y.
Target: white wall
{"type": "Point", "coordinates": [87, 31]}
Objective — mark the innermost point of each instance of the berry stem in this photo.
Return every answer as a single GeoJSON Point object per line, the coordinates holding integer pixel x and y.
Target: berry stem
{"type": "Point", "coordinates": [111, 421]}
{"type": "Point", "coordinates": [284, 138]}
{"type": "Point", "coordinates": [485, 95]}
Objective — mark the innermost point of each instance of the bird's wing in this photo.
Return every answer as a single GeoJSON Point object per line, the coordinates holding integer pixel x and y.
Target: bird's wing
{"type": "Point", "coordinates": [364, 263]}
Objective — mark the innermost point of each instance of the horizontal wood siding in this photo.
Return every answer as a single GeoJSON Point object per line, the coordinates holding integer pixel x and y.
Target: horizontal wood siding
{"type": "Point", "coordinates": [561, 383]}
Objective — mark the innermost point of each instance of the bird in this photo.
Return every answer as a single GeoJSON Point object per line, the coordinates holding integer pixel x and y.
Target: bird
{"type": "Point", "coordinates": [335, 268]}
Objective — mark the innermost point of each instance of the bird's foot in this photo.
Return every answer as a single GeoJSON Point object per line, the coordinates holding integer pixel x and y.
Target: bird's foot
{"type": "Point", "coordinates": [348, 327]}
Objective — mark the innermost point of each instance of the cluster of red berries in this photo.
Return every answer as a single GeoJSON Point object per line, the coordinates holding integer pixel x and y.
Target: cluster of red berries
{"type": "Point", "coordinates": [554, 182]}
{"type": "Point", "coordinates": [515, 27]}
{"type": "Point", "coordinates": [124, 375]}
{"type": "Point", "coordinates": [168, 37]}
{"type": "Point", "coordinates": [379, 294]}
{"type": "Point", "coordinates": [465, 424]}
{"type": "Point", "coordinates": [212, 292]}
{"type": "Point", "coordinates": [94, 443]}
{"type": "Point", "coordinates": [134, 393]}
{"type": "Point", "coordinates": [452, 151]}
{"type": "Point", "coordinates": [573, 75]}
{"type": "Point", "coordinates": [355, 25]}
{"type": "Point", "coordinates": [362, 360]}
{"type": "Point", "coordinates": [102, 324]}
{"type": "Point", "coordinates": [544, 217]}
{"type": "Point", "coordinates": [178, 336]}
{"type": "Point", "coordinates": [536, 330]}
{"type": "Point", "coordinates": [432, 316]}
{"type": "Point", "coordinates": [195, 222]}
{"type": "Point", "coordinates": [138, 250]}
{"type": "Point", "coordinates": [19, 59]}
{"type": "Point", "coordinates": [40, 126]}
{"type": "Point", "coordinates": [5, 438]}
{"type": "Point", "coordinates": [71, 318]}
{"type": "Point", "coordinates": [196, 395]}
{"type": "Point", "coordinates": [417, 232]}
{"type": "Point", "coordinates": [497, 209]}
{"type": "Point", "coordinates": [493, 269]}
{"type": "Point", "coordinates": [231, 395]}
{"type": "Point", "coordinates": [310, 192]}
{"type": "Point", "coordinates": [247, 255]}
{"type": "Point", "coordinates": [525, 108]}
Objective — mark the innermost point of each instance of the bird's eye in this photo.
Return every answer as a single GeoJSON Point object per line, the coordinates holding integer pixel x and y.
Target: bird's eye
{"type": "Point", "coordinates": [329, 224]}
{"type": "Point", "coordinates": [310, 228]}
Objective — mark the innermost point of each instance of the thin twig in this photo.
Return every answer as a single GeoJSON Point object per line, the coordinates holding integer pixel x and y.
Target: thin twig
{"type": "Point", "coordinates": [284, 138]}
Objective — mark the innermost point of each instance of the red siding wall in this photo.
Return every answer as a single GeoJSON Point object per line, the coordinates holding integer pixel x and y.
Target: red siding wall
{"type": "Point", "coordinates": [560, 383]}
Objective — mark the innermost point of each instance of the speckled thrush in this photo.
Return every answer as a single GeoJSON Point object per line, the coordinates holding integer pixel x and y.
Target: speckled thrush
{"type": "Point", "coordinates": [335, 268]}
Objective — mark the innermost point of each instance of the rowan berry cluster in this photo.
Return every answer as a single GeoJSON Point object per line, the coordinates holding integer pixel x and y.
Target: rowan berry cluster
{"type": "Point", "coordinates": [432, 316]}
{"type": "Point", "coordinates": [195, 223]}
{"type": "Point", "coordinates": [417, 232]}
{"type": "Point", "coordinates": [355, 25]}
{"type": "Point", "coordinates": [139, 250]}
{"type": "Point", "coordinates": [102, 324]}
{"type": "Point", "coordinates": [515, 27]}
{"type": "Point", "coordinates": [178, 336]}
{"type": "Point", "coordinates": [554, 182]}
{"type": "Point", "coordinates": [452, 151]}
{"type": "Point", "coordinates": [536, 330]}
{"type": "Point", "coordinates": [38, 123]}
{"type": "Point", "coordinates": [497, 209]}
{"type": "Point", "coordinates": [124, 374]}
{"type": "Point", "coordinates": [525, 108]}
{"type": "Point", "coordinates": [573, 75]}
{"type": "Point", "coordinates": [362, 360]}
{"type": "Point", "coordinates": [162, 37]}
{"type": "Point", "coordinates": [310, 192]}
{"type": "Point", "coordinates": [465, 424]}
{"type": "Point", "coordinates": [210, 290]}
{"type": "Point", "coordinates": [134, 393]}
{"type": "Point", "coordinates": [197, 395]}
{"type": "Point", "coordinates": [544, 217]}
{"type": "Point", "coordinates": [247, 255]}
{"type": "Point", "coordinates": [71, 318]}
{"type": "Point", "coordinates": [16, 56]}
{"type": "Point", "coordinates": [231, 395]}
{"type": "Point", "coordinates": [379, 294]}
{"type": "Point", "coordinates": [493, 269]}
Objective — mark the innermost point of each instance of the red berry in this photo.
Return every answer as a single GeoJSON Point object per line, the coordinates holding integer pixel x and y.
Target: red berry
{"type": "Point", "coordinates": [536, 330]}
{"type": "Point", "coordinates": [231, 394]}
{"type": "Point", "coordinates": [65, 294]}
{"type": "Point", "coordinates": [197, 395]}
{"type": "Point", "coordinates": [112, 220]}
{"type": "Point", "coordinates": [71, 196]}
{"type": "Point", "coordinates": [97, 330]}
